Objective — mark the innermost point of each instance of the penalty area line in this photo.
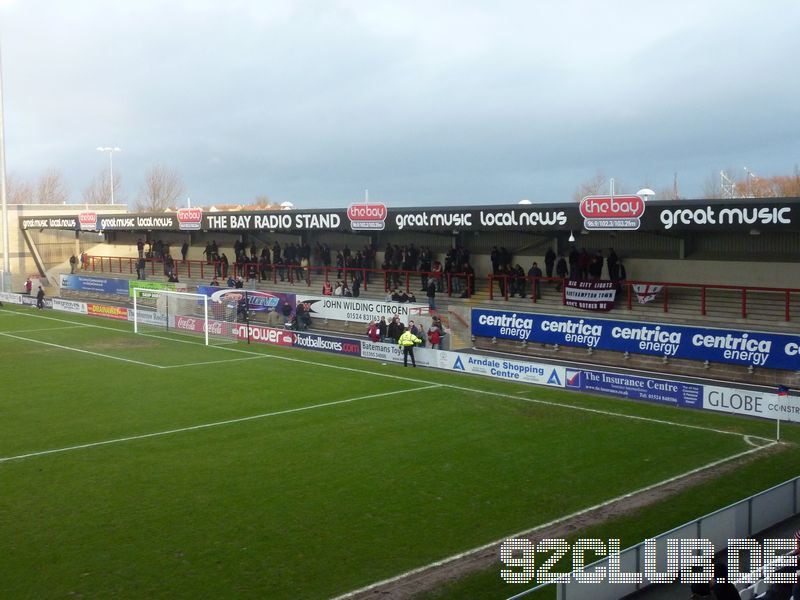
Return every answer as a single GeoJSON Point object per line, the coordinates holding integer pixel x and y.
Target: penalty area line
{"type": "Point", "coordinates": [80, 350]}
{"type": "Point", "coordinates": [276, 413]}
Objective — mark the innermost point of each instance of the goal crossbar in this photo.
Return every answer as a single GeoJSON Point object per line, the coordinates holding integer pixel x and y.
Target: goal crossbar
{"type": "Point", "coordinates": [201, 299]}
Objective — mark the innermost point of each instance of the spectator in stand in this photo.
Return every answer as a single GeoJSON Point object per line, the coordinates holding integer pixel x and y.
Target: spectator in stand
{"type": "Point", "coordinates": [417, 331]}
{"type": "Point", "coordinates": [214, 282]}
{"type": "Point", "coordinates": [327, 289]}
{"type": "Point", "coordinates": [73, 262]}
{"type": "Point", "coordinates": [425, 267]}
{"type": "Point", "coordinates": [173, 277]}
{"type": "Point", "coordinates": [303, 316]}
{"type": "Point", "coordinates": [536, 274]}
{"type": "Point", "coordinates": [28, 286]}
{"type": "Point", "coordinates": [503, 275]}
{"type": "Point", "coordinates": [286, 310]}
{"type": "Point", "coordinates": [723, 590]}
{"type": "Point", "coordinates": [613, 265]}
{"type": "Point", "coordinates": [549, 262]}
{"type": "Point", "coordinates": [184, 250]}
{"type": "Point", "coordinates": [222, 265]}
{"type": "Point", "coordinates": [231, 281]}
{"type": "Point", "coordinates": [389, 297]}
{"type": "Point", "coordinates": [372, 332]}
{"type": "Point", "coordinates": [494, 257]}
{"type": "Point", "coordinates": [214, 250]}
{"type": "Point", "coordinates": [435, 336]}
{"type": "Point", "coordinates": [274, 319]}
{"type": "Point", "coordinates": [85, 260]}
{"type": "Point", "coordinates": [141, 269]}
{"type": "Point", "coordinates": [574, 258]}
{"type": "Point", "coordinates": [596, 266]}
{"type": "Point", "coordinates": [392, 331]}
{"type": "Point", "coordinates": [339, 290]}
{"type": "Point", "coordinates": [469, 275]}
{"type": "Point", "coordinates": [239, 283]}
{"type": "Point", "coordinates": [140, 247]}
{"type": "Point", "coordinates": [561, 271]}
{"type": "Point", "coordinates": [583, 264]}
{"type": "Point", "coordinates": [382, 328]}
{"type": "Point", "coordinates": [437, 274]}
{"type": "Point", "coordinates": [516, 281]}
{"type": "Point", "coordinates": [277, 260]}
{"type": "Point", "coordinates": [209, 254]}
{"type": "Point", "coordinates": [431, 294]}
{"type": "Point", "coordinates": [263, 265]}
{"type": "Point", "coordinates": [346, 291]}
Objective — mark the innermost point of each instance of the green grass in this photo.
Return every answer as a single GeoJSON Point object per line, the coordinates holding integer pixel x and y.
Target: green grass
{"type": "Point", "coordinates": [303, 504]}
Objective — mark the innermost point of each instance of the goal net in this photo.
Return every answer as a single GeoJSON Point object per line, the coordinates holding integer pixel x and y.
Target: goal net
{"type": "Point", "coordinates": [184, 313]}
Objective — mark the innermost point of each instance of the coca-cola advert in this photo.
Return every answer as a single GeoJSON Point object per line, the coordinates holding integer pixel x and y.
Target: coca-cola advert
{"type": "Point", "coordinates": [197, 325]}
{"type": "Point", "coordinates": [591, 295]}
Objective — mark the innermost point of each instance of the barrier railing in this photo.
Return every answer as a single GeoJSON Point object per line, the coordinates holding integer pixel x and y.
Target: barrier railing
{"type": "Point", "coordinates": [510, 286]}
{"type": "Point", "coordinates": [742, 519]}
{"type": "Point", "coordinates": [449, 283]}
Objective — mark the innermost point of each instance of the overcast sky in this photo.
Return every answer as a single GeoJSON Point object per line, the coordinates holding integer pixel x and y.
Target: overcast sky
{"type": "Point", "coordinates": [422, 102]}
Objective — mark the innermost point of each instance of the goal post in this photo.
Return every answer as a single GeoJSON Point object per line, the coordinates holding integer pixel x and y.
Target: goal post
{"type": "Point", "coordinates": [184, 313]}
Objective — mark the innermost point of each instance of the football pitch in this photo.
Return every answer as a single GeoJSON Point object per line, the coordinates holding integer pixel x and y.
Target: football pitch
{"type": "Point", "coordinates": [136, 466]}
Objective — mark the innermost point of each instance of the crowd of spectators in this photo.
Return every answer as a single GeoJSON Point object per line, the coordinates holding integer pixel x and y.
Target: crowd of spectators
{"type": "Point", "coordinates": [294, 260]}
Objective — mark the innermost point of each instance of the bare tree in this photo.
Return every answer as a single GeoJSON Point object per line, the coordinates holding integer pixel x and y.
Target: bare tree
{"type": "Point", "coordinates": [161, 189]}
{"type": "Point", "coordinates": [712, 187]}
{"type": "Point", "coordinates": [261, 201]}
{"type": "Point", "coordinates": [18, 191]}
{"type": "Point", "coordinates": [51, 188]}
{"type": "Point", "coordinates": [592, 187]}
{"type": "Point", "coordinates": [99, 190]}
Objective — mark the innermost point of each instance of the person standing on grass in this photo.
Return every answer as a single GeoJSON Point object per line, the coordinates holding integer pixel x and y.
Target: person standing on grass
{"type": "Point", "coordinates": [407, 342]}
{"type": "Point", "coordinates": [40, 298]}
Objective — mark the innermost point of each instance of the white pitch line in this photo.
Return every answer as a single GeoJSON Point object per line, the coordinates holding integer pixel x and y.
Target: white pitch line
{"type": "Point", "coordinates": [82, 351]}
{"type": "Point", "coordinates": [214, 362]}
{"type": "Point", "coordinates": [557, 521]}
{"type": "Point", "coordinates": [47, 329]}
{"type": "Point", "coordinates": [209, 425]}
{"type": "Point", "coordinates": [451, 386]}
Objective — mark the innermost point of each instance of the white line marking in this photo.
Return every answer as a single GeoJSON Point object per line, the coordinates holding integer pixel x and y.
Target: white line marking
{"type": "Point", "coordinates": [214, 424]}
{"type": "Point", "coordinates": [214, 362]}
{"type": "Point", "coordinates": [561, 519]}
{"type": "Point", "coordinates": [127, 360]}
{"type": "Point", "coordinates": [415, 380]}
{"type": "Point", "coordinates": [47, 329]}
{"type": "Point", "coordinates": [487, 392]}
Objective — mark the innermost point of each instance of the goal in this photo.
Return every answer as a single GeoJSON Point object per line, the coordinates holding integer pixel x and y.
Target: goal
{"type": "Point", "coordinates": [184, 313]}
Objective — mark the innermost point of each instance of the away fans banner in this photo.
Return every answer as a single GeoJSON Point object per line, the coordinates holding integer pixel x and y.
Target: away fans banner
{"type": "Point", "coordinates": [646, 293]}
{"type": "Point", "coordinates": [590, 295]}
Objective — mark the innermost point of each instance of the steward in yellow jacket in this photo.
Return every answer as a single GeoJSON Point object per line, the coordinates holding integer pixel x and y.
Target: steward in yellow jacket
{"type": "Point", "coordinates": [407, 342]}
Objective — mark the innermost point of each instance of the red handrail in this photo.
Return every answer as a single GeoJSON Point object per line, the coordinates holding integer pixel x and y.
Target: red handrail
{"type": "Point", "coordinates": [403, 278]}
